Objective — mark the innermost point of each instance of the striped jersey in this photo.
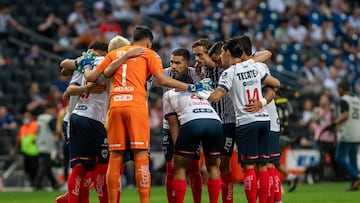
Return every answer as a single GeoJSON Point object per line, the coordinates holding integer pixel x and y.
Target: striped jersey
{"type": "Point", "coordinates": [224, 107]}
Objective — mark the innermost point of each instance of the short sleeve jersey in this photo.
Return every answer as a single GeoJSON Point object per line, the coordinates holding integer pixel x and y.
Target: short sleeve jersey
{"type": "Point", "coordinates": [271, 109]}
{"type": "Point", "coordinates": [243, 82]}
{"type": "Point", "coordinates": [191, 72]}
{"type": "Point", "coordinates": [187, 106]}
{"type": "Point", "coordinates": [93, 106]}
{"type": "Point", "coordinates": [129, 81]}
{"type": "Point", "coordinates": [76, 79]}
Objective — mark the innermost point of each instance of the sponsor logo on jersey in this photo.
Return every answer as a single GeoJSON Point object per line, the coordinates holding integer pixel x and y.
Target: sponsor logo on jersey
{"type": "Point", "coordinates": [123, 89]}
{"type": "Point", "coordinates": [247, 75]}
{"type": "Point", "coordinates": [202, 110]}
{"type": "Point", "coordinates": [123, 97]}
{"type": "Point", "coordinates": [249, 83]}
{"type": "Point", "coordinates": [81, 108]}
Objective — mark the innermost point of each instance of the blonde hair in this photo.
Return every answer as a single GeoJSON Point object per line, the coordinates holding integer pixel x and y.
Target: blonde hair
{"type": "Point", "coordinates": [117, 42]}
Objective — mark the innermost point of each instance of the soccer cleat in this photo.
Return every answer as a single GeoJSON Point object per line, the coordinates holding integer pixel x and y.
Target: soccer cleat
{"type": "Point", "coordinates": [293, 183]}
{"type": "Point", "coordinates": [64, 198]}
{"type": "Point", "coordinates": [355, 186]}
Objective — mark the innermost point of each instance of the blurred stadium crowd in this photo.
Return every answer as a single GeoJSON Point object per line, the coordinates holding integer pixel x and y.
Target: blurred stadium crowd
{"type": "Point", "coordinates": [314, 45]}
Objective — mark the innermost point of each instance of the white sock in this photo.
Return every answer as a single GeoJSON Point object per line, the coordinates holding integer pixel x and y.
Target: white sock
{"type": "Point", "coordinates": [290, 176]}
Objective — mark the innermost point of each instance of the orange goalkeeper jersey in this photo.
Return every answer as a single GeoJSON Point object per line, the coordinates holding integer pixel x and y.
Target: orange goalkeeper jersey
{"type": "Point", "coordinates": [129, 81]}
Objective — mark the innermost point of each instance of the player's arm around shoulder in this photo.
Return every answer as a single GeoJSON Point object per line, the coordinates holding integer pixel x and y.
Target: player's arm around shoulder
{"type": "Point", "coordinates": [67, 66]}
{"type": "Point", "coordinates": [271, 81]}
{"type": "Point", "coordinates": [261, 56]}
{"type": "Point", "coordinates": [115, 64]}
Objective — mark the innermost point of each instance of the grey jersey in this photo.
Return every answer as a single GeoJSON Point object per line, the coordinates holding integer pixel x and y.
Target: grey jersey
{"type": "Point", "coordinates": [349, 130]}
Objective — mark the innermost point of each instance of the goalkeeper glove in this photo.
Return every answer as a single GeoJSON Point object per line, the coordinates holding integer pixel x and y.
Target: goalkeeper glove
{"type": "Point", "coordinates": [205, 84]}
{"type": "Point", "coordinates": [86, 59]}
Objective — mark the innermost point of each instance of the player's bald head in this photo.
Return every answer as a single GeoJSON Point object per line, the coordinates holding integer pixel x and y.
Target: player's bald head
{"type": "Point", "coordinates": [118, 42]}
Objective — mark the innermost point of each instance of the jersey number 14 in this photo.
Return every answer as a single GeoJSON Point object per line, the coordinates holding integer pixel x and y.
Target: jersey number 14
{"type": "Point", "coordinates": [252, 95]}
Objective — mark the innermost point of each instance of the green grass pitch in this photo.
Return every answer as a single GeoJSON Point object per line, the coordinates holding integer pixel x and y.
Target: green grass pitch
{"type": "Point", "coordinates": [318, 193]}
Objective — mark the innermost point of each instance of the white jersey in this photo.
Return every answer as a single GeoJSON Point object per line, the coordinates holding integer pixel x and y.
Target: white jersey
{"type": "Point", "coordinates": [76, 79]}
{"type": "Point", "coordinates": [194, 76]}
{"type": "Point", "coordinates": [187, 106]}
{"type": "Point", "coordinates": [272, 111]}
{"type": "Point", "coordinates": [243, 82]}
{"type": "Point", "coordinates": [94, 106]}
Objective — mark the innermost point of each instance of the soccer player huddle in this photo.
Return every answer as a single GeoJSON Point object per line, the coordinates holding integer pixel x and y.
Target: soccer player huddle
{"type": "Point", "coordinates": [226, 99]}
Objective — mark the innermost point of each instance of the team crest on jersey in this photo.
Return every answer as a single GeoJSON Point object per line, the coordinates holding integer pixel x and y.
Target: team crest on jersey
{"type": "Point", "coordinates": [224, 75]}
{"type": "Point", "coordinates": [104, 153]}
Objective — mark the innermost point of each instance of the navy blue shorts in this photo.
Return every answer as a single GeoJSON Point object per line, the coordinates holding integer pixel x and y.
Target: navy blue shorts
{"type": "Point", "coordinates": [207, 132]}
{"type": "Point", "coordinates": [168, 146]}
{"type": "Point", "coordinates": [88, 141]}
{"type": "Point", "coordinates": [228, 130]}
{"type": "Point", "coordinates": [252, 141]}
{"type": "Point", "coordinates": [274, 147]}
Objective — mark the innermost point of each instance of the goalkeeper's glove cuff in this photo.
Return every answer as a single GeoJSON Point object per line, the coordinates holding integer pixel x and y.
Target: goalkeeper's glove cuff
{"type": "Point", "coordinates": [195, 87]}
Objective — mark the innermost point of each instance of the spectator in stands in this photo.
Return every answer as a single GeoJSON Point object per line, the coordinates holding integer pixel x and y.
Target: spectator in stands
{"type": "Point", "coordinates": [94, 34]}
{"type": "Point", "coordinates": [340, 66]}
{"type": "Point", "coordinates": [45, 143]}
{"type": "Point", "coordinates": [184, 14]}
{"type": "Point", "coordinates": [98, 15]}
{"type": "Point", "coordinates": [357, 87]}
{"type": "Point", "coordinates": [321, 68]}
{"type": "Point", "coordinates": [323, 116]}
{"type": "Point", "coordinates": [110, 28]}
{"type": "Point", "coordinates": [55, 97]}
{"type": "Point", "coordinates": [34, 56]}
{"type": "Point", "coordinates": [7, 123]}
{"type": "Point", "coordinates": [152, 8]}
{"type": "Point", "coordinates": [310, 82]}
{"type": "Point", "coordinates": [78, 19]}
{"type": "Point", "coordinates": [325, 33]}
{"type": "Point", "coordinates": [297, 32]}
{"type": "Point", "coordinates": [5, 19]}
{"type": "Point", "coordinates": [281, 33]}
{"type": "Point", "coordinates": [229, 21]}
{"type": "Point", "coordinates": [63, 45]}
{"type": "Point", "coordinates": [330, 83]}
{"type": "Point", "coordinates": [61, 83]}
{"type": "Point", "coordinates": [49, 27]}
{"type": "Point", "coordinates": [354, 19]}
{"type": "Point", "coordinates": [340, 6]}
{"type": "Point", "coordinates": [307, 112]}
{"type": "Point", "coordinates": [25, 141]}
{"type": "Point", "coordinates": [250, 23]}
{"type": "Point", "coordinates": [309, 51]}
{"type": "Point", "coordinates": [33, 101]}
{"type": "Point", "coordinates": [122, 11]}
{"type": "Point", "coordinates": [350, 39]}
